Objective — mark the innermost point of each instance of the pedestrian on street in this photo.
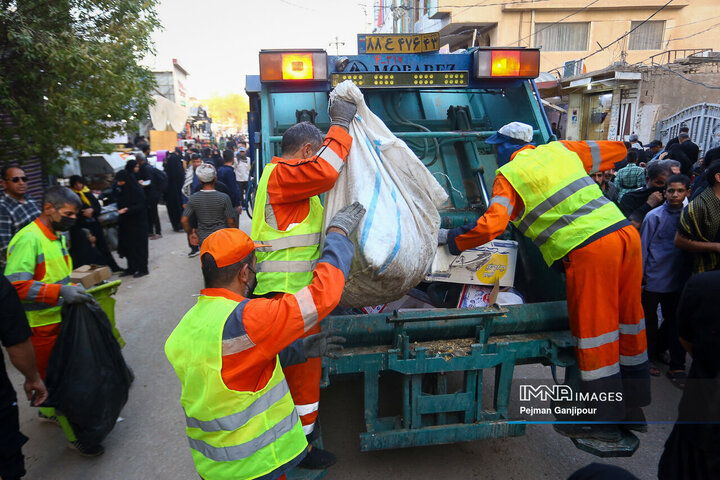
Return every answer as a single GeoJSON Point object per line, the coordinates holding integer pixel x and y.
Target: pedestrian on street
{"type": "Point", "coordinates": [226, 175]}
{"type": "Point", "coordinates": [608, 188]}
{"type": "Point", "coordinates": [546, 193]}
{"type": "Point", "coordinates": [637, 203]}
{"type": "Point", "coordinates": [152, 190]}
{"type": "Point", "coordinates": [132, 225]}
{"type": "Point", "coordinates": [39, 268]}
{"type": "Point", "coordinates": [242, 173]}
{"type": "Point", "coordinates": [84, 250]}
{"type": "Point", "coordinates": [15, 336]}
{"type": "Point", "coordinates": [665, 270]}
{"type": "Point", "coordinates": [173, 194]}
{"type": "Point", "coordinates": [699, 229]}
{"type": "Point", "coordinates": [631, 176]}
{"type": "Point", "coordinates": [288, 215]}
{"type": "Point", "coordinates": [210, 209]}
{"type": "Point", "coordinates": [17, 208]}
{"type": "Point", "coordinates": [228, 352]}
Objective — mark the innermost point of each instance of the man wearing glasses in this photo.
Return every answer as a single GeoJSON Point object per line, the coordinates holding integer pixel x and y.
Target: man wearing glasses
{"type": "Point", "coordinates": [16, 209]}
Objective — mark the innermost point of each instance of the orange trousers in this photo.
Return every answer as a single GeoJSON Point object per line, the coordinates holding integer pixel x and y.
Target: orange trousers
{"type": "Point", "coordinates": [304, 382]}
{"type": "Point", "coordinates": [43, 340]}
{"type": "Point", "coordinates": [606, 316]}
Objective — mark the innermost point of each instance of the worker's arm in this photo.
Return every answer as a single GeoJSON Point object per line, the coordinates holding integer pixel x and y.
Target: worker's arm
{"type": "Point", "coordinates": [299, 180]}
{"type": "Point", "coordinates": [505, 205]}
{"type": "Point", "coordinates": [597, 156]}
{"type": "Point", "coordinates": [23, 269]}
{"type": "Point", "coordinates": [273, 324]}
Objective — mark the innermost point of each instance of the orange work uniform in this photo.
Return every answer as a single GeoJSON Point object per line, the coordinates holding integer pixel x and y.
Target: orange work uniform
{"type": "Point", "coordinates": [291, 185]}
{"type": "Point", "coordinates": [604, 276]}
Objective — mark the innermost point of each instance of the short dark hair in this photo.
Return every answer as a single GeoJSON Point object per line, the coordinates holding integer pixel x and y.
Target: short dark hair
{"type": "Point", "coordinates": [5, 169]}
{"type": "Point", "coordinates": [228, 156]}
{"type": "Point", "coordinates": [300, 134]}
{"type": "Point", "coordinates": [206, 152]}
{"type": "Point", "coordinates": [711, 171]}
{"type": "Point", "coordinates": [657, 168]}
{"type": "Point", "coordinates": [632, 156]}
{"type": "Point", "coordinates": [680, 178]}
{"type": "Point", "coordinates": [144, 148]}
{"type": "Point", "coordinates": [220, 277]}
{"type": "Point", "coordinates": [75, 179]}
{"type": "Point", "coordinates": [195, 156]}
{"type": "Point", "coordinates": [58, 197]}
{"type": "Point", "coordinates": [684, 128]}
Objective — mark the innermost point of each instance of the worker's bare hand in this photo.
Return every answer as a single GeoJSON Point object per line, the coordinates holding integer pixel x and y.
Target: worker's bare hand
{"type": "Point", "coordinates": [347, 218]}
{"type": "Point", "coordinates": [35, 390]}
{"type": "Point", "coordinates": [655, 199]}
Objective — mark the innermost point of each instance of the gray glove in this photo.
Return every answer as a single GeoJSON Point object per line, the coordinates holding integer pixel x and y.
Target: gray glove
{"type": "Point", "coordinates": [347, 218]}
{"type": "Point", "coordinates": [72, 294]}
{"type": "Point", "coordinates": [323, 344]}
{"type": "Point", "coordinates": [341, 112]}
{"type": "Point", "coordinates": [443, 236]}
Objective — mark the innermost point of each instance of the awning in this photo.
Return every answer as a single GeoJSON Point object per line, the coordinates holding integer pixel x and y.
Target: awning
{"type": "Point", "coordinates": [167, 115]}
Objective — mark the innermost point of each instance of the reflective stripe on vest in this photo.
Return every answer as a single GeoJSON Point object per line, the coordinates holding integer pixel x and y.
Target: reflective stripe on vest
{"type": "Point", "coordinates": [563, 205]}
{"type": "Point", "coordinates": [58, 266]}
{"type": "Point", "coordinates": [286, 263]}
{"type": "Point", "coordinates": [232, 434]}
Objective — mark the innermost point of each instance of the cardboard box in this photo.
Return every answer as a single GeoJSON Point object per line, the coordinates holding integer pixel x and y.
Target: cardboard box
{"type": "Point", "coordinates": [90, 275]}
{"type": "Point", "coordinates": [477, 266]}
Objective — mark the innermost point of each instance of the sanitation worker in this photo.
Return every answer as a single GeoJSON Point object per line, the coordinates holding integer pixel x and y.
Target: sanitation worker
{"type": "Point", "coordinates": [288, 216]}
{"type": "Point", "coordinates": [39, 267]}
{"type": "Point", "coordinates": [228, 352]}
{"type": "Point", "coordinates": [546, 193]}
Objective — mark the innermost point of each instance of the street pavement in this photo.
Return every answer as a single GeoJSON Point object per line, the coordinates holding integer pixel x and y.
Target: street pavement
{"type": "Point", "coordinates": [149, 442]}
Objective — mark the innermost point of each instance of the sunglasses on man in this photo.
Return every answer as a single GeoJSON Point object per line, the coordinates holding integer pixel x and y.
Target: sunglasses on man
{"type": "Point", "coordinates": [17, 179]}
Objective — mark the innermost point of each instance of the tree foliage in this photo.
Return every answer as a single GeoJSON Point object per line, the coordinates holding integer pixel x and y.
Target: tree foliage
{"type": "Point", "coordinates": [70, 74]}
{"type": "Point", "coordinates": [230, 109]}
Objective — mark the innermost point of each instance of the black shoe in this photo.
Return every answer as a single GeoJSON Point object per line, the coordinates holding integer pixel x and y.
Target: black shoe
{"type": "Point", "coordinates": [141, 274]}
{"type": "Point", "coordinates": [637, 417]}
{"type": "Point", "coordinates": [194, 252]}
{"type": "Point", "coordinates": [126, 273]}
{"type": "Point", "coordinates": [87, 450]}
{"type": "Point", "coordinates": [604, 433]}
{"type": "Point", "coordinates": [318, 459]}
{"type": "Point", "coordinates": [116, 269]}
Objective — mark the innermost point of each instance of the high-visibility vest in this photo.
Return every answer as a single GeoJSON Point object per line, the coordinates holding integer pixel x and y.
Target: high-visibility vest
{"type": "Point", "coordinates": [286, 264]}
{"type": "Point", "coordinates": [232, 434]}
{"type": "Point", "coordinates": [563, 205]}
{"type": "Point", "coordinates": [58, 266]}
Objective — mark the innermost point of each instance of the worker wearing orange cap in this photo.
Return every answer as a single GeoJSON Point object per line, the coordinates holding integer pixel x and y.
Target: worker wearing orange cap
{"type": "Point", "coordinates": [228, 352]}
{"type": "Point", "coordinates": [288, 215]}
{"type": "Point", "coordinates": [546, 193]}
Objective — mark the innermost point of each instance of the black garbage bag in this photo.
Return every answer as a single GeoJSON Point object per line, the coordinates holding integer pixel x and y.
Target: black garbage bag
{"type": "Point", "coordinates": [87, 378]}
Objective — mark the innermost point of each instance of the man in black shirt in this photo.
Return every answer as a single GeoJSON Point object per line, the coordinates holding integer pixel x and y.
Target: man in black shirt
{"type": "Point", "coordinates": [676, 140]}
{"type": "Point", "coordinates": [15, 337]}
{"type": "Point", "coordinates": [637, 203]}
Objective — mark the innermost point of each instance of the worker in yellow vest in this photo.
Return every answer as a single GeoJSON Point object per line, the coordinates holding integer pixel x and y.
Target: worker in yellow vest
{"type": "Point", "coordinates": [229, 353]}
{"type": "Point", "coordinates": [288, 215]}
{"type": "Point", "coordinates": [39, 267]}
{"type": "Point", "coordinates": [546, 193]}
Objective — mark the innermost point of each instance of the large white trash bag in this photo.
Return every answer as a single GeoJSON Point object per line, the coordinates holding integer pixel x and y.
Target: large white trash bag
{"type": "Point", "coordinates": [396, 240]}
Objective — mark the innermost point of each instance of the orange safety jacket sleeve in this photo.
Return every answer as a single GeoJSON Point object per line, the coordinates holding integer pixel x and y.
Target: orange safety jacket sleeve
{"type": "Point", "coordinates": [259, 329]}
{"type": "Point", "coordinates": [597, 156]}
{"type": "Point", "coordinates": [505, 205]}
{"type": "Point", "coordinates": [25, 269]}
{"type": "Point", "coordinates": [296, 180]}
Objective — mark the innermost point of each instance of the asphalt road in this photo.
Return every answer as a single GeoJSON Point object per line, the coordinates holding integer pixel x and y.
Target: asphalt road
{"type": "Point", "coordinates": [150, 442]}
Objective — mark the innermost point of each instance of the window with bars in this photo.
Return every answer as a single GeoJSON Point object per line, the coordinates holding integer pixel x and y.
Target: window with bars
{"type": "Point", "coordinates": [562, 37]}
{"type": "Point", "coordinates": [648, 36]}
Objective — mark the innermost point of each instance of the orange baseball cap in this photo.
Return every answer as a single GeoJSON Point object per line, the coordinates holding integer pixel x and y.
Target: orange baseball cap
{"type": "Point", "coordinates": [228, 246]}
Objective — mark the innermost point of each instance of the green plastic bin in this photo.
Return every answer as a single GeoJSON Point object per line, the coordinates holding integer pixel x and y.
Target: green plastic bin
{"type": "Point", "coordinates": [103, 294]}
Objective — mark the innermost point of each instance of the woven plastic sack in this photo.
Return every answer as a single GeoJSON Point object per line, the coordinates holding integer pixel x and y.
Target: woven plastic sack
{"type": "Point", "coordinates": [396, 240]}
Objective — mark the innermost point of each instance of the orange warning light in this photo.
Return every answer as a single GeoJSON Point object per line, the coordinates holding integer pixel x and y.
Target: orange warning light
{"type": "Point", "coordinates": [505, 63]}
{"type": "Point", "coordinates": [297, 66]}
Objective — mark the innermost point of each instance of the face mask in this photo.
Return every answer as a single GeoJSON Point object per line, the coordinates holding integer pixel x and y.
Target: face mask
{"type": "Point", "coordinates": [64, 224]}
{"type": "Point", "coordinates": [505, 151]}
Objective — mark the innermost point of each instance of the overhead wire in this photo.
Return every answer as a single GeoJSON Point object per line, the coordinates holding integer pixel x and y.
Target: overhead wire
{"type": "Point", "coordinates": [696, 82]}
{"type": "Point", "coordinates": [555, 23]}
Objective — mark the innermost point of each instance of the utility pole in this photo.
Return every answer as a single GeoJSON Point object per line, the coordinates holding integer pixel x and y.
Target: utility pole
{"type": "Point", "coordinates": [337, 44]}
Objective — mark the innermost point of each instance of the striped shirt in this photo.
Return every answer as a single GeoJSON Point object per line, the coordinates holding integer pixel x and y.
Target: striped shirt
{"type": "Point", "coordinates": [212, 210]}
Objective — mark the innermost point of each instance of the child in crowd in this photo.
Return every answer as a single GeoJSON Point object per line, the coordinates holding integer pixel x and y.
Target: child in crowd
{"type": "Point", "coordinates": [664, 274]}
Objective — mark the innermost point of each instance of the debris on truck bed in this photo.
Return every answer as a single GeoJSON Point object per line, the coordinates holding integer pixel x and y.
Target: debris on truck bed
{"type": "Point", "coordinates": [453, 347]}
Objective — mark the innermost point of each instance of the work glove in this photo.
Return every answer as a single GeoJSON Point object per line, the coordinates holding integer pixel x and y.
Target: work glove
{"type": "Point", "coordinates": [73, 294]}
{"type": "Point", "coordinates": [443, 236]}
{"type": "Point", "coordinates": [323, 344]}
{"type": "Point", "coordinates": [341, 112]}
{"type": "Point", "coordinates": [348, 217]}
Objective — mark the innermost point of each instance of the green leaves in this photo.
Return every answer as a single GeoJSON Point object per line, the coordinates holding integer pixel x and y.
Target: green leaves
{"type": "Point", "coordinates": [65, 66]}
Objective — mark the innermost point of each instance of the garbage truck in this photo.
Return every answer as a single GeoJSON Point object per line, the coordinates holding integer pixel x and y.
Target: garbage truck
{"type": "Point", "coordinates": [454, 365]}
